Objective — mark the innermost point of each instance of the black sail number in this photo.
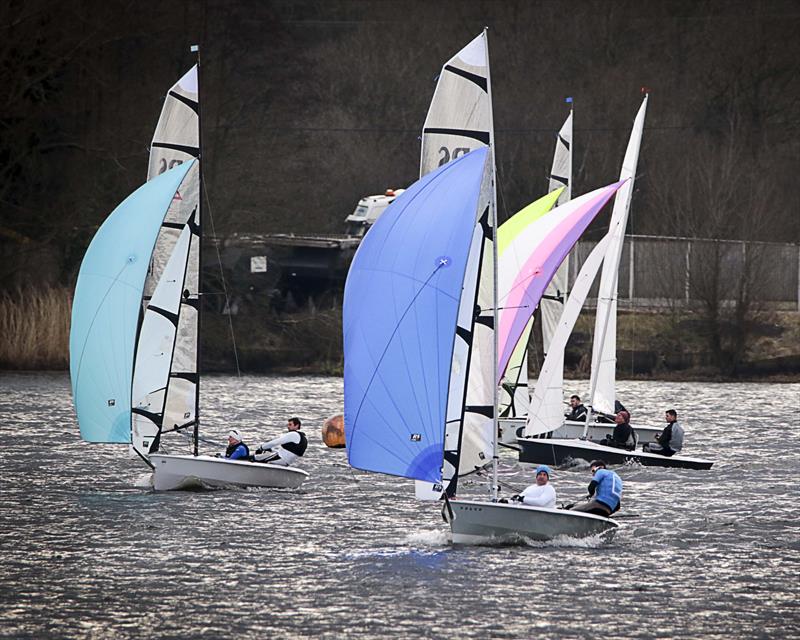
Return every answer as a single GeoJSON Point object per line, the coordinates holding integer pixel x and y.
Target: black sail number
{"type": "Point", "coordinates": [446, 155]}
{"type": "Point", "coordinates": [164, 165]}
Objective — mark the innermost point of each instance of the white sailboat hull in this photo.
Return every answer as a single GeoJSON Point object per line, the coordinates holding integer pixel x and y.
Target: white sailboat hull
{"type": "Point", "coordinates": [172, 472]}
{"type": "Point", "coordinates": [510, 430]}
{"type": "Point", "coordinates": [477, 522]}
{"type": "Point", "coordinates": [557, 452]}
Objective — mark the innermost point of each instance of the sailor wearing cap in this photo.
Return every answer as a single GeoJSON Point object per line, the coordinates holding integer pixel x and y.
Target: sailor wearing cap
{"type": "Point", "coordinates": [541, 494]}
{"type": "Point", "coordinates": [237, 450]}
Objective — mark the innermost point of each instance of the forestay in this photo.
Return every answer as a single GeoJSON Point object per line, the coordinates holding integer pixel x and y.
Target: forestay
{"type": "Point", "coordinates": [106, 305]}
{"type": "Point", "coordinates": [401, 312]}
{"type": "Point", "coordinates": [604, 348]}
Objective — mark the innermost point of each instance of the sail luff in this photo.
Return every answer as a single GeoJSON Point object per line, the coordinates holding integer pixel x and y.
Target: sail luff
{"type": "Point", "coordinates": [495, 378]}
{"type": "Point", "coordinates": [199, 224]}
{"type": "Point", "coordinates": [604, 348]}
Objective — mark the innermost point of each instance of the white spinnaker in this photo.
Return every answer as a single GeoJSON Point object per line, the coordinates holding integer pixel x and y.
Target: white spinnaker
{"type": "Point", "coordinates": [459, 118]}
{"type": "Point", "coordinates": [604, 348]}
{"type": "Point", "coordinates": [154, 350]}
{"type": "Point", "coordinates": [555, 296]}
{"type": "Point", "coordinates": [544, 416]}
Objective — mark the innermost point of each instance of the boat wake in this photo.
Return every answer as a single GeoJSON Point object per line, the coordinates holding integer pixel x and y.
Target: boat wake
{"type": "Point", "coordinates": [428, 538]}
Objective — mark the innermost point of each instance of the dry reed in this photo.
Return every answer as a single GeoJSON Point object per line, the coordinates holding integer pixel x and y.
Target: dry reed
{"type": "Point", "coordinates": [34, 325]}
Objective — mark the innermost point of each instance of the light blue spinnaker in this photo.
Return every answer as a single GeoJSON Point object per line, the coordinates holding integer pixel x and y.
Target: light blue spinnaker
{"type": "Point", "coordinates": [106, 306]}
{"type": "Point", "coordinates": [400, 310]}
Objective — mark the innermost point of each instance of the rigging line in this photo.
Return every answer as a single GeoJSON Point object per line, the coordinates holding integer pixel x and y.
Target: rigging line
{"type": "Point", "coordinates": [201, 439]}
{"type": "Point", "coordinates": [222, 277]}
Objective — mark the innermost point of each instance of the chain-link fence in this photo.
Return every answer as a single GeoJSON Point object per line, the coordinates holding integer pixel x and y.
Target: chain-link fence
{"type": "Point", "coordinates": [657, 271]}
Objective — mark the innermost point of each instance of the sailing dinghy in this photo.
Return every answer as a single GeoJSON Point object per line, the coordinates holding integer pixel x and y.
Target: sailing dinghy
{"type": "Point", "coordinates": [136, 317]}
{"type": "Point", "coordinates": [542, 441]}
{"type": "Point", "coordinates": [420, 313]}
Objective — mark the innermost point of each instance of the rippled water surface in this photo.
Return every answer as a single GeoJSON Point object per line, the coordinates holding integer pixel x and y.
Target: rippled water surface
{"type": "Point", "coordinates": [89, 551]}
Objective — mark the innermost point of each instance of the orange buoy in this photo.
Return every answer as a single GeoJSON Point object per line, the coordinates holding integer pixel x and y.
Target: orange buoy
{"type": "Point", "coordinates": [333, 432]}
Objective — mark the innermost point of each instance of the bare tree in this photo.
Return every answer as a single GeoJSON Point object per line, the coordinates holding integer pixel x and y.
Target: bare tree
{"type": "Point", "coordinates": [722, 198]}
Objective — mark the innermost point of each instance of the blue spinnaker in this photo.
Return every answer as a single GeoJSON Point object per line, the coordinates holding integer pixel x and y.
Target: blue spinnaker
{"type": "Point", "coordinates": [106, 307]}
{"type": "Point", "coordinates": [400, 310]}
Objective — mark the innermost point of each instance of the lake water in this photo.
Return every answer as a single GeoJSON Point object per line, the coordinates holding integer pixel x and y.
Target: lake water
{"type": "Point", "coordinates": [90, 552]}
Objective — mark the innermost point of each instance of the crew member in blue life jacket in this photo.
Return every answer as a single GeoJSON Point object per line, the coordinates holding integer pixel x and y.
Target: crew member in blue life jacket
{"type": "Point", "coordinates": [605, 491]}
{"type": "Point", "coordinates": [670, 440]}
{"type": "Point", "coordinates": [237, 450]}
{"type": "Point", "coordinates": [285, 449]}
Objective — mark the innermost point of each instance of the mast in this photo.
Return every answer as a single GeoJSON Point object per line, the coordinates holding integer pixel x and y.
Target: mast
{"type": "Point", "coordinates": [196, 435]}
{"type": "Point", "coordinates": [493, 219]}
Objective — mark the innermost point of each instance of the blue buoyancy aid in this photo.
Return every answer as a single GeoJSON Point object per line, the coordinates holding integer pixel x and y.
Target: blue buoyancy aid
{"type": "Point", "coordinates": [609, 488]}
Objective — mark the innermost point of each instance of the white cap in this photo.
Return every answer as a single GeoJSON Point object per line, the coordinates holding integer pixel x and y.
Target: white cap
{"type": "Point", "coordinates": [234, 433]}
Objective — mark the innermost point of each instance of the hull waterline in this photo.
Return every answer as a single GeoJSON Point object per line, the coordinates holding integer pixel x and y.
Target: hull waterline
{"type": "Point", "coordinates": [476, 522]}
{"type": "Point", "coordinates": [562, 451]}
{"type": "Point", "coordinates": [511, 429]}
{"type": "Point", "coordinates": [173, 472]}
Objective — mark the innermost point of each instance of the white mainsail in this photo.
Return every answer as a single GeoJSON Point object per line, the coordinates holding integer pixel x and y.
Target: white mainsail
{"type": "Point", "coordinates": [552, 303]}
{"type": "Point", "coordinates": [604, 349]}
{"type": "Point", "coordinates": [155, 351]}
{"type": "Point", "coordinates": [176, 140]}
{"type": "Point", "coordinates": [544, 416]}
{"type": "Point", "coordinates": [460, 116]}
{"type": "Point", "coordinates": [460, 120]}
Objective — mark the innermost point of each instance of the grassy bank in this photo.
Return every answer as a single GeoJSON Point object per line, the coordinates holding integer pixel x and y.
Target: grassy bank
{"type": "Point", "coordinates": [35, 330]}
{"type": "Point", "coordinates": [34, 325]}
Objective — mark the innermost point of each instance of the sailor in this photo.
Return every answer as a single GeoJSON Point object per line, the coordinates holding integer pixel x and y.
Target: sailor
{"type": "Point", "coordinates": [237, 450]}
{"type": "Point", "coordinates": [670, 440]}
{"type": "Point", "coordinates": [541, 494]}
{"type": "Point", "coordinates": [285, 449]}
{"type": "Point", "coordinates": [578, 413]}
{"type": "Point", "coordinates": [605, 491]}
{"type": "Point", "coordinates": [623, 437]}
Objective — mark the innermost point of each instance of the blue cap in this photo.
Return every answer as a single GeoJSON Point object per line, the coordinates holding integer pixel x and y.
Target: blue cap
{"type": "Point", "coordinates": [543, 468]}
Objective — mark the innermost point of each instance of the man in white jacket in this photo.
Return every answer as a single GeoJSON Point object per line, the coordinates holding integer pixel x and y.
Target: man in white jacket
{"type": "Point", "coordinates": [541, 494]}
{"type": "Point", "coordinates": [285, 449]}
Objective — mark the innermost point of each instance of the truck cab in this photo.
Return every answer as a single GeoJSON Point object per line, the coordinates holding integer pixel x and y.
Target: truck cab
{"type": "Point", "coordinates": [367, 211]}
